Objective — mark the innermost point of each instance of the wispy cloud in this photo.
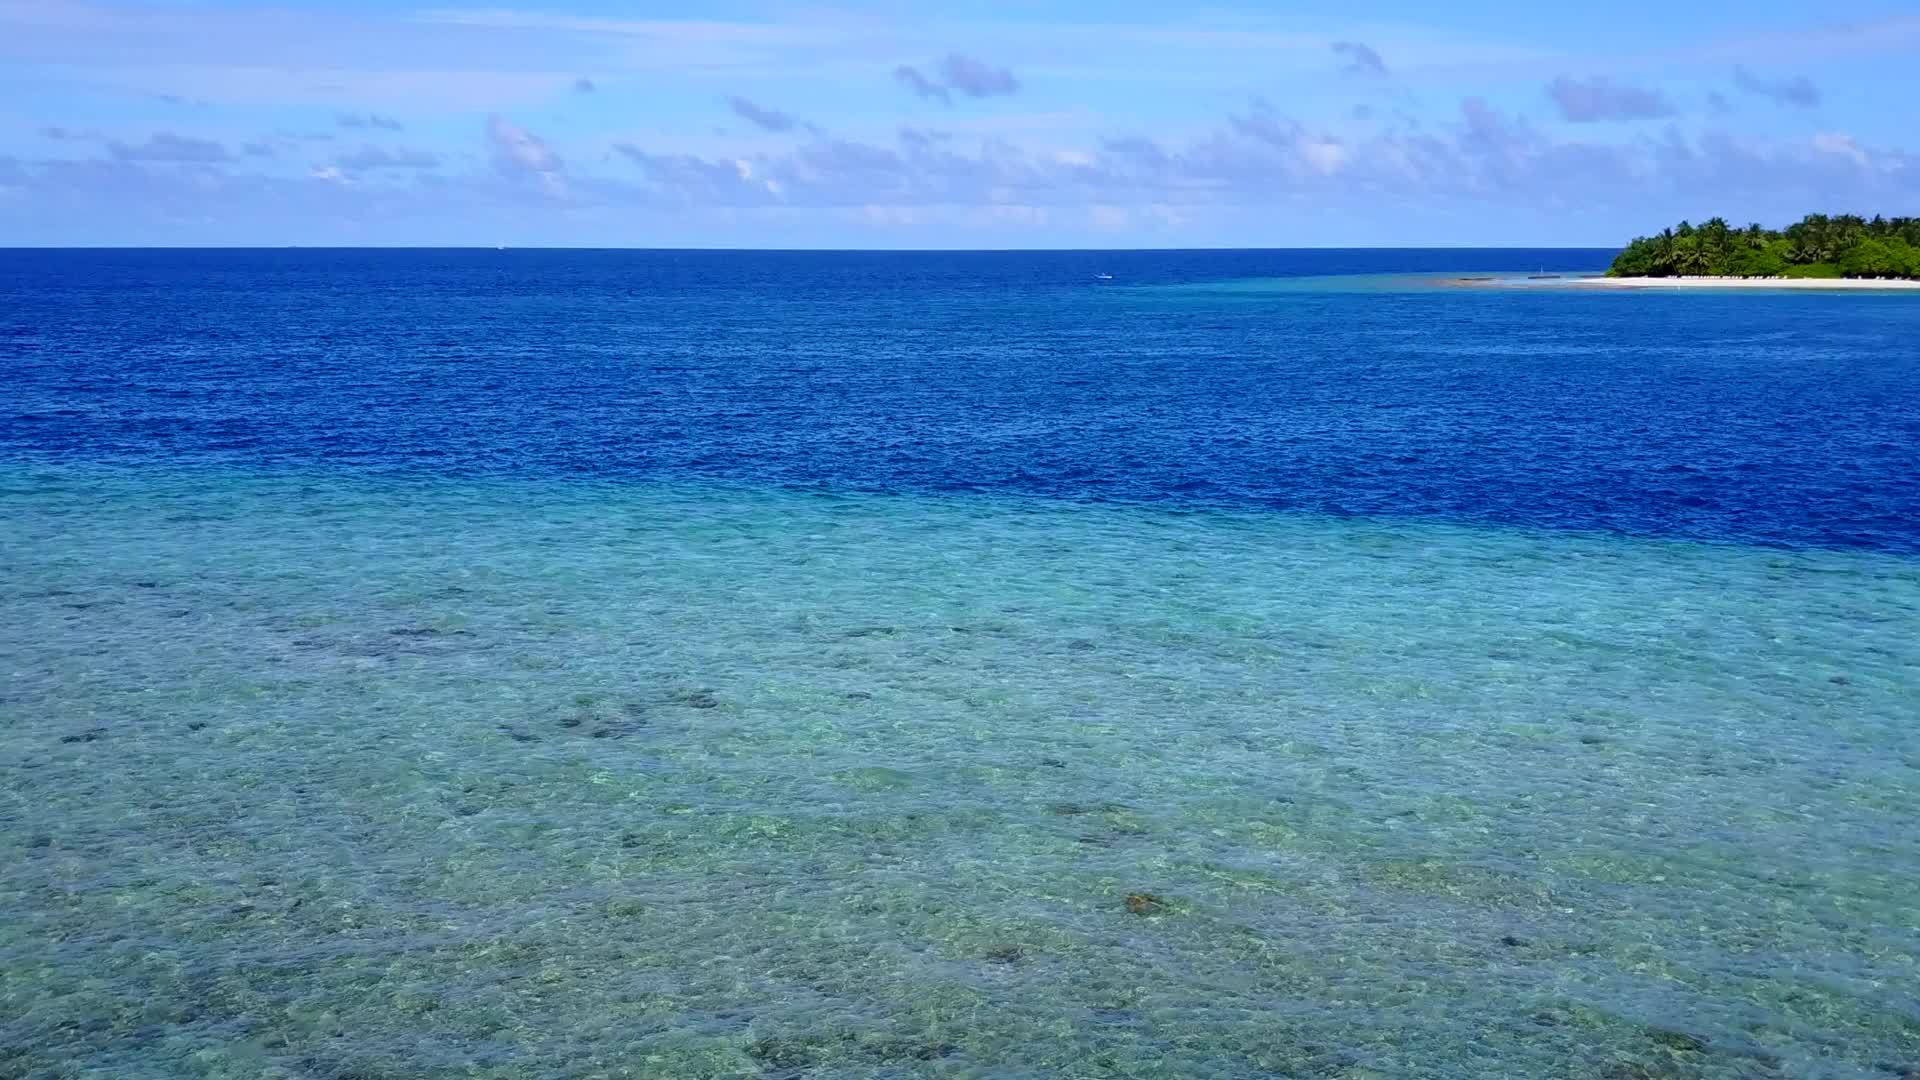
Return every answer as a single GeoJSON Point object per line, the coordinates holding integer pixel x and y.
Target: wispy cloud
{"type": "Point", "coordinates": [692, 180]}
{"type": "Point", "coordinates": [763, 118]}
{"type": "Point", "coordinates": [958, 73]}
{"type": "Point", "coordinates": [1360, 59]}
{"type": "Point", "coordinates": [524, 158]}
{"type": "Point", "coordinates": [910, 77]}
{"type": "Point", "coordinates": [1056, 134]}
{"type": "Point", "coordinates": [373, 121]}
{"type": "Point", "coordinates": [1260, 155]}
{"type": "Point", "coordinates": [1797, 90]}
{"type": "Point", "coordinates": [1842, 145]}
{"type": "Point", "coordinates": [1585, 101]}
{"type": "Point", "coordinates": [1136, 148]}
{"type": "Point", "coordinates": [1249, 166]}
{"type": "Point", "coordinates": [368, 158]}
{"type": "Point", "coordinates": [168, 147]}
{"type": "Point", "coordinates": [976, 78]}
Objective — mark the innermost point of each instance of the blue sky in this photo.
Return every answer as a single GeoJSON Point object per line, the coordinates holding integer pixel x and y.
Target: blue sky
{"type": "Point", "coordinates": [1105, 124]}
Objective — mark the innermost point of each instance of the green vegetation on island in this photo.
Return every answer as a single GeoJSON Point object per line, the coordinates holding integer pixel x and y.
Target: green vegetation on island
{"type": "Point", "coordinates": [1818, 246]}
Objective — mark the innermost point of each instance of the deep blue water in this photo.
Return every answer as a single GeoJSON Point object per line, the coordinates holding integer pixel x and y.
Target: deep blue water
{"type": "Point", "coordinates": [1190, 378]}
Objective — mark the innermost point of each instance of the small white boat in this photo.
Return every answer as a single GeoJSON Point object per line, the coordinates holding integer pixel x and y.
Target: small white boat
{"type": "Point", "coordinates": [1103, 277]}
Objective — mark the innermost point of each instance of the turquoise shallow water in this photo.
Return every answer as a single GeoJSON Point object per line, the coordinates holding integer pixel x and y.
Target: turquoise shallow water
{"type": "Point", "coordinates": [336, 777]}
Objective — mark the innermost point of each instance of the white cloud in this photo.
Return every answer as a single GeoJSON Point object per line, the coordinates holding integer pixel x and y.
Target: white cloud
{"type": "Point", "coordinates": [1323, 155]}
{"type": "Point", "coordinates": [369, 158]}
{"type": "Point", "coordinates": [1261, 156]}
{"type": "Point", "coordinates": [1843, 146]}
{"type": "Point", "coordinates": [522, 157]}
{"type": "Point", "coordinates": [518, 150]}
{"type": "Point", "coordinates": [1068, 157]}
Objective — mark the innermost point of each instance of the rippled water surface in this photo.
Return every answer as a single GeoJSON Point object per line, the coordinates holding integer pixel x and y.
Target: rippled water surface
{"type": "Point", "coordinates": [1190, 377]}
{"type": "Point", "coordinates": [448, 669]}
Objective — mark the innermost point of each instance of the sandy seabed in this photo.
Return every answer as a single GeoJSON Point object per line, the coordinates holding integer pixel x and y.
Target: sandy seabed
{"type": "Point", "coordinates": [535, 780]}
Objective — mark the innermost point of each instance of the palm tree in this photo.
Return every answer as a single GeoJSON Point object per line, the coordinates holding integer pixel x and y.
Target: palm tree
{"type": "Point", "coordinates": [1849, 242]}
{"type": "Point", "coordinates": [1690, 257]}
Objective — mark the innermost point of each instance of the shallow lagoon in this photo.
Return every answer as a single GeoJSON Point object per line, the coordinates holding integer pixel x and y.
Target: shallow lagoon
{"type": "Point", "coordinates": [346, 777]}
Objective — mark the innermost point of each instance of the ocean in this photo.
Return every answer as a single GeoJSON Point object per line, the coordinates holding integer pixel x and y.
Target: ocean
{"type": "Point", "coordinates": [526, 664]}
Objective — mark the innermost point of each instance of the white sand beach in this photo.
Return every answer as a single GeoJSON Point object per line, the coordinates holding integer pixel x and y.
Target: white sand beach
{"type": "Point", "coordinates": [1743, 283]}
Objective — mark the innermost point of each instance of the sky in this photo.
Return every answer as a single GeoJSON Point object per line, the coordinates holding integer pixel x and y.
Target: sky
{"type": "Point", "coordinates": [1115, 124]}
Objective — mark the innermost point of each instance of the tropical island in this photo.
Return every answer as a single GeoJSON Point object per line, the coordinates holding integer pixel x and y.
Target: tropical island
{"type": "Point", "coordinates": [1817, 247]}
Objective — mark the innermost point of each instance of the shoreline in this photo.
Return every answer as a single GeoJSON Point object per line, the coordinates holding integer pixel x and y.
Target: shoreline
{"type": "Point", "coordinates": [1599, 282]}
{"type": "Point", "coordinates": [1749, 283]}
